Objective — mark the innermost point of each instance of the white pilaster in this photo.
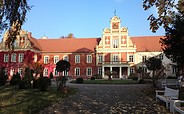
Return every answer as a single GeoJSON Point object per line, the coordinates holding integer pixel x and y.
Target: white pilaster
{"type": "Point", "coordinates": [120, 74]}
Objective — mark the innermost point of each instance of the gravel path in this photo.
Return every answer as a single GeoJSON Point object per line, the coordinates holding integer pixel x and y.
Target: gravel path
{"type": "Point", "coordinates": [107, 99]}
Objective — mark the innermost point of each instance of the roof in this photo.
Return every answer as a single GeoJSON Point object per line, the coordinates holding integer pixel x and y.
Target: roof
{"type": "Point", "coordinates": [71, 45]}
{"type": "Point", "coordinates": [147, 43]}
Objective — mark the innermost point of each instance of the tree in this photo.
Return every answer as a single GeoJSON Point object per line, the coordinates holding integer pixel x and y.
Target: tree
{"type": "Point", "coordinates": [154, 64]}
{"type": "Point", "coordinates": [38, 68]}
{"type": "Point", "coordinates": [70, 35]}
{"type": "Point", "coordinates": [62, 66]}
{"type": "Point", "coordinates": [167, 10]}
{"type": "Point", "coordinates": [174, 41]}
{"type": "Point", "coordinates": [12, 16]}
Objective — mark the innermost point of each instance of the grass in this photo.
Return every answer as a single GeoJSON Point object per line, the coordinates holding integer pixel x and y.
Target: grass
{"type": "Point", "coordinates": [110, 82]}
{"type": "Point", "coordinates": [23, 101]}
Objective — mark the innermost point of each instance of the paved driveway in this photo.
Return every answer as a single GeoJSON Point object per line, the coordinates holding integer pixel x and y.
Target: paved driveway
{"type": "Point", "coordinates": [107, 99]}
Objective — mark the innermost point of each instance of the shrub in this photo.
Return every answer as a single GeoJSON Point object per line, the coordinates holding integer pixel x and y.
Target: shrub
{"type": "Point", "coordinates": [142, 81]}
{"type": "Point", "coordinates": [51, 75]}
{"type": "Point", "coordinates": [15, 80]}
{"type": "Point", "coordinates": [44, 83]}
{"type": "Point", "coordinates": [3, 76]}
{"type": "Point", "coordinates": [171, 77]}
{"type": "Point", "coordinates": [135, 78]}
{"type": "Point", "coordinates": [79, 80]}
{"type": "Point", "coordinates": [24, 84]}
{"type": "Point", "coordinates": [97, 76]}
{"type": "Point", "coordinates": [92, 78]}
{"type": "Point", "coordinates": [36, 83]}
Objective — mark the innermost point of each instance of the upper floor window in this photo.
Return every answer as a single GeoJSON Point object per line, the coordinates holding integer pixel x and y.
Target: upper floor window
{"type": "Point", "coordinates": [144, 58]}
{"type": "Point", "coordinates": [131, 58]}
{"type": "Point", "coordinates": [56, 59]}
{"type": "Point", "coordinates": [45, 72]}
{"type": "Point", "coordinates": [77, 71]}
{"type": "Point", "coordinates": [21, 57]}
{"type": "Point", "coordinates": [115, 43]}
{"type": "Point", "coordinates": [13, 57]}
{"type": "Point", "coordinates": [46, 59]}
{"type": "Point", "coordinates": [89, 58]}
{"type": "Point", "coordinates": [115, 58]}
{"type": "Point", "coordinates": [100, 58]}
{"type": "Point", "coordinates": [6, 57]}
{"type": "Point", "coordinates": [89, 72]}
{"type": "Point", "coordinates": [66, 58]}
{"type": "Point", "coordinates": [77, 58]}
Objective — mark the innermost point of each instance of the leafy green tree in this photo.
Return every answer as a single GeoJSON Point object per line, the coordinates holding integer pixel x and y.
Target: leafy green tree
{"type": "Point", "coordinates": [174, 41]}
{"type": "Point", "coordinates": [62, 66]}
{"type": "Point", "coordinates": [154, 64]}
{"type": "Point", "coordinates": [167, 10]}
{"type": "Point", "coordinates": [12, 16]}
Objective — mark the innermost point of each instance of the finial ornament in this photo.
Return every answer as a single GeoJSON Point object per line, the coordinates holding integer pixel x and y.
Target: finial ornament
{"type": "Point", "coordinates": [115, 12]}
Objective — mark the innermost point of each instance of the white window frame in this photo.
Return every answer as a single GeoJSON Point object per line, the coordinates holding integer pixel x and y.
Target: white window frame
{"type": "Point", "coordinates": [56, 73]}
{"type": "Point", "coordinates": [45, 59]}
{"type": "Point", "coordinates": [100, 58]}
{"type": "Point", "coordinates": [132, 70]}
{"type": "Point", "coordinates": [65, 73]}
{"type": "Point", "coordinates": [89, 58]}
{"type": "Point", "coordinates": [77, 58]}
{"type": "Point", "coordinates": [20, 71]}
{"type": "Point", "coordinates": [77, 71]}
{"type": "Point", "coordinates": [144, 58]}
{"type": "Point", "coordinates": [115, 57]}
{"type": "Point", "coordinates": [66, 57]}
{"type": "Point", "coordinates": [131, 58]}
{"type": "Point", "coordinates": [6, 57]}
{"type": "Point", "coordinates": [115, 43]}
{"type": "Point", "coordinates": [35, 58]}
{"type": "Point", "coordinates": [21, 57]}
{"type": "Point", "coordinates": [13, 57]}
{"type": "Point", "coordinates": [100, 70]}
{"type": "Point", "coordinates": [89, 71]}
{"type": "Point", "coordinates": [56, 59]}
{"type": "Point", "coordinates": [45, 72]}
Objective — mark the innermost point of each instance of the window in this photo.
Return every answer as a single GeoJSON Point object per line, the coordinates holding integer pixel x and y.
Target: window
{"type": "Point", "coordinates": [115, 58]}
{"type": "Point", "coordinates": [131, 70]}
{"type": "Point", "coordinates": [12, 71]}
{"type": "Point", "coordinates": [100, 70]}
{"type": "Point", "coordinates": [144, 69]}
{"type": "Point", "coordinates": [56, 73]}
{"type": "Point", "coordinates": [35, 58]}
{"type": "Point", "coordinates": [21, 57]}
{"type": "Point", "coordinates": [20, 71]}
{"type": "Point", "coordinates": [45, 72]}
{"type": "Point", "coordinates": [65, 73]}
{"type": "Point", "coordinates": [77, 58]}
{"type": "Point", "coordinates": [131, 58]}
{"type": "Point", "coordinates": [46, 59]}
{"type": "Point", "coordinates": [144, 58]}
{"type": "Point", "coordinates": [6, 57]}
{"type": "Point", "coordinates": [115, 43]}
{"type": "Point", "coordinates": [89, 58]}
{"type": "Point", "coordinates": [77, 71]}
{"type": "Point", "coordinates": [160, 56]}
{"type": "Point", "coordinates": [13, 57]}
{"type": "Point", "coordinates": [174, 69]}
{"type": "Point", "coordinates": [56, 59]}
{"type": "Point", "coordinates": [66, 58]}
{"type": "Point", "coordinates": [100, 58]}
{"type": "Point", "coordinates": [89, 72]}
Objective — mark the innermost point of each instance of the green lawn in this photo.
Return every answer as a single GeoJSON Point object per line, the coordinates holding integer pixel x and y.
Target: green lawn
{"type": "Point", "coordinates": [23, 101]}
{"type": "Point", "coordinates": [110, 82]}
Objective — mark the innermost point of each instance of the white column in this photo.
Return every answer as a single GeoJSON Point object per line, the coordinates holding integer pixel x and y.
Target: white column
{"type": "Point", "coordinates": [111, 71]}
{"type": "Point", "coordinates": [103, 72]}
{"type": "Point", "coordinates": [128, 71]}
{"type": "Point", "coordinates": [120, 74]}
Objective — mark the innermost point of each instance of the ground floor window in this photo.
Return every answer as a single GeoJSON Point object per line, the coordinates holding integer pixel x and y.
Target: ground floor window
{"type": "Point", "coordinates": [77, 71]}
{"type": "Point", "coordinates": [131, 70]}
{"type": "Point", "coordinates": [89, 72]}
{"type": "Point", "coordinates": [20, 71]}
{"type": "Point", "coordinates": [56, 73]}
{"type": "Point", "coordinates": [45, 72]}
{"type": "Point", "coordinates": [65, 73]}
{"type": "Point", "coordinates": [100, 70]}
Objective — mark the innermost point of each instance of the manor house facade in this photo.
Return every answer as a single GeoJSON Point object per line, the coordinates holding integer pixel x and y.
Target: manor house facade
{"type": "Point", "coordinates": [115, 51]}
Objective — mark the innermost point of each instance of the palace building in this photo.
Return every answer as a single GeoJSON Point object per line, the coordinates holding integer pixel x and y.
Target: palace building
{"type": "Point", "coordinates": [115, 51]}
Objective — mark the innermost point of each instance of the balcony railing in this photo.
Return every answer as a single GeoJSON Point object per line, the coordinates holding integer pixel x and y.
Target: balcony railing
{"type": "Point", "coordinates": [115, 62]}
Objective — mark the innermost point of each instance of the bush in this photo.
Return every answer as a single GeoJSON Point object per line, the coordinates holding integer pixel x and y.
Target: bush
{"type": "Point", "coordinates": [3, 76]}
{"type": "Point", "coordinates": [44, 83]}
{"type": "Point", "coordinates": [15, 80]}
{"type": "Point", "coordinates": [24, 84]}
{"type": "Point", "coordinates": [135, 78]}
{"type": "Point", "coordinates": [79, 80]}
{"type": "Point", "coordinates": [97, 76]}
{"type": "Point", "coordinates": [142, 81]}
{"type": "Point", "coordinates": [92, 78]}
{"type": "Point", "coordinates": [171, 77]}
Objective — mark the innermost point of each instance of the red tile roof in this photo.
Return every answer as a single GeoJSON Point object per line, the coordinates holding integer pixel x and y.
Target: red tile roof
{"type": "Point", "coordinates": [147, 43]}
{"type": "Point", "coordinates": [71, 45]}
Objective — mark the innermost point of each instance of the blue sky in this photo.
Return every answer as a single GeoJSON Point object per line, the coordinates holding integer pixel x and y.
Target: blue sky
{"type": "Point", "coordinates": [86, 18]}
